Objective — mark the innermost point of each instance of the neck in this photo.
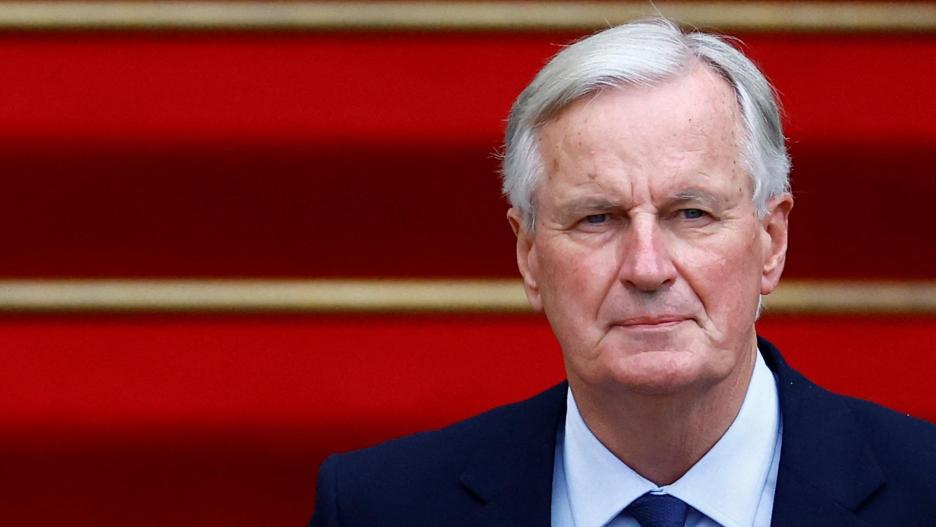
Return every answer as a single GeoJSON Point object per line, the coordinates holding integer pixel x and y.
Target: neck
{"type": "Point", "coordinates": [662, 436]}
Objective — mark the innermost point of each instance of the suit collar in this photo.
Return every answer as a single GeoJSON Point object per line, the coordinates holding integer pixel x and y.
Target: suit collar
{"type": "Point", "coordinates": [512, 474]}
{"type": "Point", "coordinates": [827, 470]}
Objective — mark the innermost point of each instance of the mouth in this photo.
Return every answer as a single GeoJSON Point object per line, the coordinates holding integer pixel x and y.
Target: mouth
{"type": "Point", "coordinates": [651, 322]}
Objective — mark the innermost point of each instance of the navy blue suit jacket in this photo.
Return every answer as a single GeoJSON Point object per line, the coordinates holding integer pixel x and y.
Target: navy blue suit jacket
{"type": "Point", "coordinates": [844, 462]}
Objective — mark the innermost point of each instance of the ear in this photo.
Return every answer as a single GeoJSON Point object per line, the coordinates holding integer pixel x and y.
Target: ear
{"type": "Point", "coordinates": [774, 236]}
{"type": "Point", "coordinates": [526, 258]}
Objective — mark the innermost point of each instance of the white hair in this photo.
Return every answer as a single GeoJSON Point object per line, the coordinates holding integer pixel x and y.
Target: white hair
{"type": "Point", "coordinates": [643, 53]}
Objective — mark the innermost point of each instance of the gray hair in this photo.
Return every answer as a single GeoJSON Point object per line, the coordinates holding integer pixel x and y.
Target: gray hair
{"type": "Point", "coordinates": [643, 53]}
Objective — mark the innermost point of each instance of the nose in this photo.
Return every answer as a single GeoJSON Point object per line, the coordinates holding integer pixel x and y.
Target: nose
{"type": "Point", "coordinates": [646, 262]}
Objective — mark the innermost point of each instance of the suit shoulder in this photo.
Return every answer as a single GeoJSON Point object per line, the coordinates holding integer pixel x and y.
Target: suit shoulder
{"type": "Point", "coordinates": [418, 477]}
{"type": "Point", "coordinates": [890, 431]}
{"type": "Point", "coordinates": [503, 423]}
{"type": "Point", "coordinates": [904, 445]}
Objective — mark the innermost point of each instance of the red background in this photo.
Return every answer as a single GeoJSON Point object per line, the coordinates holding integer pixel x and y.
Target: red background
{"type": "Point", "coordinates": [366, 155]}
{"type": "Point", "coordinates": [371, 154]}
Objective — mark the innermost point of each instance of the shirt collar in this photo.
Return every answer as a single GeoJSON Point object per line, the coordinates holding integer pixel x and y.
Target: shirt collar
{"type": "Point", "coordinates": [725, 485]}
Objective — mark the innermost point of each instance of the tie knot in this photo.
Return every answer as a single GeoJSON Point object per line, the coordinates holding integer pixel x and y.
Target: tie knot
{"type": "Point", "coordinates": [658, 510]}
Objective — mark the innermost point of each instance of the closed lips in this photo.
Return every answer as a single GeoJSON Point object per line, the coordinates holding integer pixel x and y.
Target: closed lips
{"type": "Point", "coordinates": [652, 321]}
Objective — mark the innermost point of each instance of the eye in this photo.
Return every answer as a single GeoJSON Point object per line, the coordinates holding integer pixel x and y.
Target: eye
{"type": "Point", "coordinates": [692, 214]}
{"type": "Point", "coordinates": [596, 219]}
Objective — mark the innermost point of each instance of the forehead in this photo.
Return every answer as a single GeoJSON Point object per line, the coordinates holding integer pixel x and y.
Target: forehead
{"type": "Point", "coordinates": [684, 129]}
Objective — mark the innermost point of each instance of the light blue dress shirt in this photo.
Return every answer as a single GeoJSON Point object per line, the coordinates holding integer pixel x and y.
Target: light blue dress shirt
{"type": "Point", "coordinates": [731, 486]}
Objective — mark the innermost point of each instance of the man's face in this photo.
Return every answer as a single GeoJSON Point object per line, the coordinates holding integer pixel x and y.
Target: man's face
{"type": "Point", "coordinates": [648, 256]}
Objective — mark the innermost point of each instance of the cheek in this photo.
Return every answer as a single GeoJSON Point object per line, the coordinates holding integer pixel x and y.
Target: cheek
{"type": "Point", "coordinates": [574, 284]}
{"type": "Point", "coordinates": [726, 278]}
{"type": "Point", "coordinates": [578, 276]}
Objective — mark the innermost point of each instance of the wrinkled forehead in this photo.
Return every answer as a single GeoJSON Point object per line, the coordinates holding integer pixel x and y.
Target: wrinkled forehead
{"type": "Point", "coordinates": [700, 94]}
{"type": "Point", "coordinates": [697, 110]}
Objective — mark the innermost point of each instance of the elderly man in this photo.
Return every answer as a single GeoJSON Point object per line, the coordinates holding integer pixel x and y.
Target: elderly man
{"type": "Point", "coordinates": [647, 174]}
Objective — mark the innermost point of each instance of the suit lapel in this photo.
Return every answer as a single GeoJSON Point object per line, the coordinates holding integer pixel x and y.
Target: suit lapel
{"type": "Point", "coordinates": [511, 478]}
{"type": "Point", "coordinates": [826, 470]}
{"type": "Point", "coordinates": [799, 503]}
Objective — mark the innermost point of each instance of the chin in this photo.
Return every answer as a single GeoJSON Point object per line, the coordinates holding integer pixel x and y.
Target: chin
{"type": "Point", "coordinates": [653, 364]}
{"type": "Point", "coordinates": [656, 372]}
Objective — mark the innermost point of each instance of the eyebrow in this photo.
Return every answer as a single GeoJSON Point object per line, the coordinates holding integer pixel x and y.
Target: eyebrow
{"type": "Point", "coordinates": [576, 208]}
{"type": "Point", "coordinates": [696, 195]}
{"type": "Point", "coordinates": [588, 204]}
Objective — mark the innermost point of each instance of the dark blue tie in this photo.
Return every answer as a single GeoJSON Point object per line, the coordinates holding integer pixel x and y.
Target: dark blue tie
{"type": "Point", "coordinates": [658, 510]}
